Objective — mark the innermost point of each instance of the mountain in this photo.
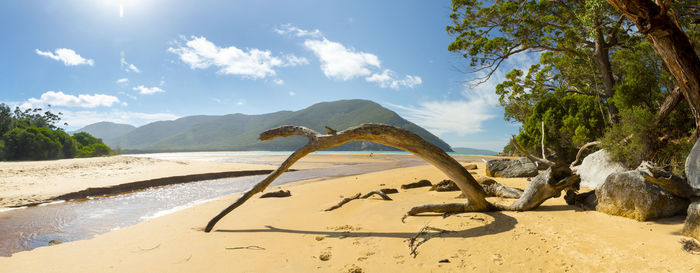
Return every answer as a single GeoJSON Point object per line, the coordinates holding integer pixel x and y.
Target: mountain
{"type": "Point", "coordinates": [240, 132]}
{"type": "Point", "coordinates": [472, 151]}
{"type": "Point", "coordinates": [107, 130]}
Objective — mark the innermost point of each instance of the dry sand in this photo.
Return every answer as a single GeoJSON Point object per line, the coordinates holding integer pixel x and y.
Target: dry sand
{"type": "Point", "coordinates": [292, 234]}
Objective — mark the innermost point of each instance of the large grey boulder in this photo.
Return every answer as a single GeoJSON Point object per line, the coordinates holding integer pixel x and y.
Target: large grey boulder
{"type": "Point", "coordinates": [692, 221]}
{"type": "Point", "coordinates": [596, 167]}
{"type": "Point", "coordinates": [521, 167]}
{"type": "Point", "coordinates": [692, 166]}
{"type": "Point", "coordinates": [630, 195]}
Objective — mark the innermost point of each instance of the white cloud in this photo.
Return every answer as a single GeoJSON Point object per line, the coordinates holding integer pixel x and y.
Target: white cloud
{"type": "Point", "coordinates": [78, 119]}
{"type": "Point", "coordinates": [288, 28]}
{"type": "Point", "coordinates": [387, 79]}
{"type": "Point", "coordinates": [67, 56]}
{"type": "Point", "coordinates": [345, 63]}
{"type": "Point", "coordinates": [278, 81]}
{"type": "Point", "coordinates": [126, 66]}
{"type": "Point", "coordinates": [240, 102]}
{"type": "Point", "coordinates": [199, 53]}
{"type": "Point", "coordinates": [342, 63]}
{"type": "Point", "coordinates": [467, 115]}
{"type": "Point", "coordinates": [461, 117]}
{"type": "Point", "coordinates": [123, 81]}
{"type": "Point", "coordinates": [291, 93]}
{"type": "Point", "coordinates": [148, 90]}
{"type": "Point", "coordinates": [61, 99]}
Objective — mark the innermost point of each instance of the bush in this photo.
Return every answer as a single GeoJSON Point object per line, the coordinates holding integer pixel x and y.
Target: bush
{"type": "Point", "coordinates": [97, 149]}
{"type": "Point", "coordinates": [31, 143]}
{"type": "Point", "coordinates": [637, 137]}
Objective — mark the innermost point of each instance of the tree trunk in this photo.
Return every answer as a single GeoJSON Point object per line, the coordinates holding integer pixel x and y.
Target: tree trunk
{"type": "Point", "coordinates": [540, 189]}
{"type": "Point", "coordinates": [674, 97]}
{"type": "Point", "coordinates": [670, 43]}
{"type": "Point", "coordinates": [602, 58]}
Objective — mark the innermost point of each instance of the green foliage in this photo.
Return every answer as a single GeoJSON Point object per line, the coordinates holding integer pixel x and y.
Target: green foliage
{"type": "Point", "coordinates": [31, 134]}
{"type": "Point", "coordinates": [93, 150]}
{"type": "Point", "coordinates": [570, 121]}
{"type": "Point", "coordinates": [632, 140]}
{"type": "Point", "coordinates": [85, 139]}
{"type": "Point", "coordinates": [31, 143]}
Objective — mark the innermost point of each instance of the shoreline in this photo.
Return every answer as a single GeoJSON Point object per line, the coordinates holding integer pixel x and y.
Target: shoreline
{"type": "Point", "coordinates": [368, 234]}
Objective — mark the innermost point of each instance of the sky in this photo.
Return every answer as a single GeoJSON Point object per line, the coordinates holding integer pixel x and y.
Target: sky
{"type": "Point", "coordinates": [136, 62]}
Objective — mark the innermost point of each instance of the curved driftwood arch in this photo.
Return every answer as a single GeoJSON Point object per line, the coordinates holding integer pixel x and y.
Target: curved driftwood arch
{"type": "Point", "coordinates": [536, 192]}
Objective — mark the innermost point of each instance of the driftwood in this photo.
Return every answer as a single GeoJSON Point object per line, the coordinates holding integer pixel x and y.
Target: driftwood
{"type": "Point", "coordinates": [676, 185]}
{"type": "Point", "coordinates": [279, 193]}
{"type": "Point", "coordinates": [537, 191]}
{"type": "Point", "coordinates": [377, 192]}
{"type": "Point", "coordinates": [343, 202]}
{"type": "Point", "coordinates": [528, 155]}
{"type": "Point", "coordinates": [422, 183]}
{"type": "Point", "coordinates": [580, 152]}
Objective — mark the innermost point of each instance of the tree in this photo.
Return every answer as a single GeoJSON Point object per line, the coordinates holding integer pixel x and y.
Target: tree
{"type": "Point", "coordinates": [31, 143]}
{"type": "Point", "coordinates": [85, 139]}
{"type": "Point", "coordinates": [579, 30]}
{"type": "Point", "coordinates": [670, 42]}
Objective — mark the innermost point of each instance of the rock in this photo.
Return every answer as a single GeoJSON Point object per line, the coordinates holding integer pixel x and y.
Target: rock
{"type": "Point", "coordinates": [280, 193]}
{"type": "Point", "coordinates": [692, 166]}
{"type": "Point", "coordinates": [444, 261]}
{"type": "Point", "coordinates": [422, 183]}
{"type": "Point", "coordinates": [470, 167]}
{"type": "Point", "coordinates": [630, 195]}
{"type": "Point", "coordinates": [522, 167]}
{"type": "Point", "coordinates": [445, 185]}
{"type": "Point", "coordinates": [692, 221]}
{"type": "Point", "coordinates": [596, 167]}
{"type": "Point", "coordinates": [55, 242]}
{"type": "Point", "coordinates": [389, 190]}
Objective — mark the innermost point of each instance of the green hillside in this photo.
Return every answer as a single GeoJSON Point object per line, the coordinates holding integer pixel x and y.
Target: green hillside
{"type": "Point", "coordinates": [240, 132]}
{"type": "Point", "coordinates": [107, 130]}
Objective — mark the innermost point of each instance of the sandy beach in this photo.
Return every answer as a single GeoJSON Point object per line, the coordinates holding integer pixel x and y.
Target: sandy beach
{"type": "Point", "coordinates": [294, 234]}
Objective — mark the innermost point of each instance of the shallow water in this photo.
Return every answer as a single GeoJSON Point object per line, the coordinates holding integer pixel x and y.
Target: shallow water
{"type": "Point", "coordinates": [32, 227]}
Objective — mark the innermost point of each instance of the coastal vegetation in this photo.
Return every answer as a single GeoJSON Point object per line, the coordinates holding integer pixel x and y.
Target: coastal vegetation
{"type": "Point", "coordinates": [599, 77]}
{"type": "Point", "coordinates": [32, 134]}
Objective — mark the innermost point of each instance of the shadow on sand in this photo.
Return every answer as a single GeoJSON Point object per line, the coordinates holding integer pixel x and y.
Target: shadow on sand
{"type": "Point", "coordinates": [501, 223]}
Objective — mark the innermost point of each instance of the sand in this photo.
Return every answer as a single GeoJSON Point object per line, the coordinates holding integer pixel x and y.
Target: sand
{"type": "Point", "coordinates": [30, 182]}
{"type": "Point", "coordinates": [293, 235]}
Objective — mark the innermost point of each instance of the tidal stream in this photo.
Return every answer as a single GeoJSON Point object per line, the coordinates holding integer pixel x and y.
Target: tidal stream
{"type": "Point", "coordinates": [31, 227]}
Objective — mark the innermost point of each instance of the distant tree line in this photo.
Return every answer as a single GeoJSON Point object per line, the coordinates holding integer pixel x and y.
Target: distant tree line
{"type": "Point", "coordinates": [31, 134]}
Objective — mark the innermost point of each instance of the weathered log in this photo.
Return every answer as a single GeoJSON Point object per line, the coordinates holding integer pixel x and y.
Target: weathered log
{"type": "Point", "coordinates": [674, 97]}
{"type": "Point", "coordinates": [422, 183]}
{"type": "Point", "coordinates": [580, 152]}
{"type": "Point", "coordinates": [343, 202]}
{"type": "Point", "coordinates": [377, 192]}
{"type": "Point", "coordinates": [378, 133]}
{"type": "Point", "coordinates": [547, 184]}
{"type": "Point", "coordinates": [528, 155]}
{"type": "Point", "coordinates": [676, 185]}
{"type": "Point", "coordinates": [279, 193]}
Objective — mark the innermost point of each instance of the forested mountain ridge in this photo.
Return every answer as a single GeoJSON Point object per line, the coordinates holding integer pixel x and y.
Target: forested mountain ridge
{"type": "Point", "coordinates": [240, 132]}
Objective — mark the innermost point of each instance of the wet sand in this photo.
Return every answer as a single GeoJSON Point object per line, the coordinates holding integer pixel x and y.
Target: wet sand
{"type": "Point", "coordinates": [295, 235]}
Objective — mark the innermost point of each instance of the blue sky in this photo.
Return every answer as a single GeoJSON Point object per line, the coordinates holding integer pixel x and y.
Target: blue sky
{"type": "Point", "coordinates": [140, 61]}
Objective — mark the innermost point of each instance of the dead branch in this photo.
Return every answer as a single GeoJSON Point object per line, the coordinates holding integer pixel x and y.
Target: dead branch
{"type": "Point", "coordinates": [580, 151]}
{"type": "Point", "coordinates": [528, 155]}
{"type": "Point", "coordinates": [377, 192]}
{"type": "Point", "coordinates": [674, 97]}
{"type": "Point", "coordinates": [343, 202]}
{"type": "Point", "coordinates": [378, 133]}
{"type": "Point", "coordinates": [423, 232]}
{"type": "Point", "coordinates": [674, 184]}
